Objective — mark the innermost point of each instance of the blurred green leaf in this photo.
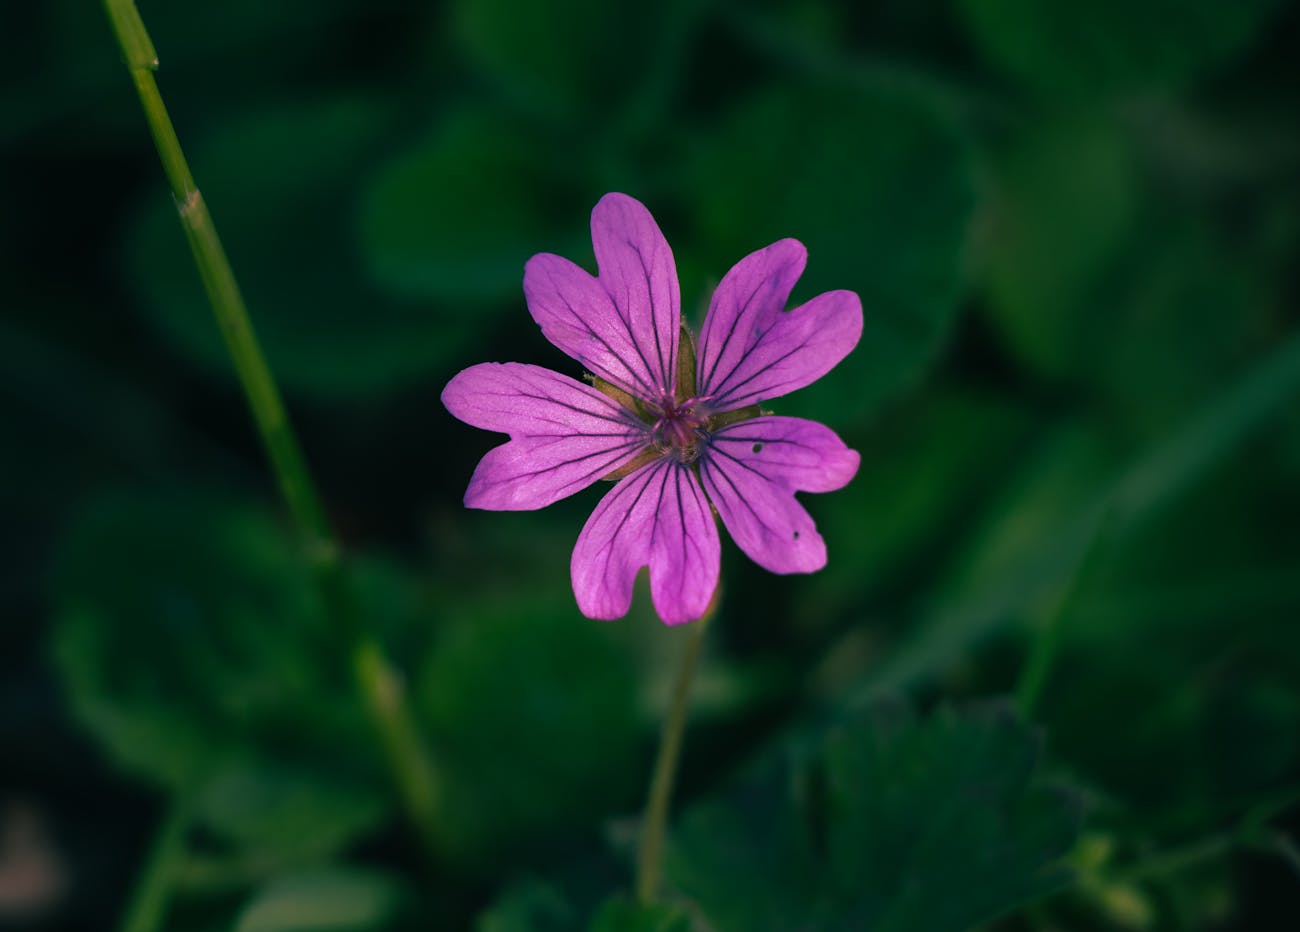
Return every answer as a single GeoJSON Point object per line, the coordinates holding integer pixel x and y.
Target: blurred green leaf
{"type": "Point", "coordinates": [455, 217]}
{"type": "Point", "coordinates": [283, 186]}
{"type": "Point", "coordinates": [534, 711]}
{"type": "Point", "coordinates": [1112, 46]}
{"type": "Point", "coordinates": [193, 647]}
{"type": "Point", "coordinates": [325, 900]}
{"type": "Point", "coordinates": [921, 469]}
{"type": "Point", "coordinates": [623, 915]}
{"type": "Point", "coordinates": [1138, 297]}
{"type": "Point", "coordinates": [890, 823]}
{"type": "Point", "coordinates": [881, 192]}
{"type": "Point", "coordinates": [280, 808]}
{"type": "Point", "coordinates": [1192, 729]}
{"type": "Point", "coordinates": [1064, 208]}
{"type": "Point", "coordinates": [528, 906]}
{"type": "Point", "coordinates": [1196, 639]}
{"type": "Point", "coordinates": [534, 906]}
{"type": "Point", "coordinates": [1037, 497]}
{"type": "Point", "coordinates": [566, 59]}
{"type": "Point", "coordinates": [1147, 485]}
{"type": "Point", "coordinates": [1196, 310]}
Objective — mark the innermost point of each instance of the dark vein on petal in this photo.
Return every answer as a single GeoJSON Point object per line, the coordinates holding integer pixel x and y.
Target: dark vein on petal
{"type": "Point", "coordinates": [654, 315]}
{"type": "Point", "coordinates": [743, 464]}
{"type": "Point", "coordinates": [729, 397]}
{"type": "Point", "coordinates": [627, 321]}
{"type": "Point", "coordinates": [739, 497]}
{"type": "Point", "coordinates": [765, 439]}
{"type": "Point", "coordinates": [731, 330]}
{"type": "Point", "coordinates": [596, 336]}
{"type": "Point", "coordinates": [618, 417]}
{"type": "Point", "coordinates": [608, 546]}
{"type": "Point", "coordinates": [681, 513]}
{"type": "Point", "coordinates": [748, 354]}
{"type": "Point", "coordinates": [658, 510]}
{"type": "Point", "coordinates": [627, 513]}
{"type": "Point", "coordinates": [553, 467]}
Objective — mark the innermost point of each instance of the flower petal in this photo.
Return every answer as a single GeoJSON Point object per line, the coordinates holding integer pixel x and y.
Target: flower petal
{"type": "Point", "coordinates": [659, 517]}
{"type": "Point", "coordinates": [563, 435]}
{"type": "Point", "coordinates": [752, 470]}
{"type": "Point", "coordinates": [624, 325]}
{"type": "Point", "coordinates": [752, 349]}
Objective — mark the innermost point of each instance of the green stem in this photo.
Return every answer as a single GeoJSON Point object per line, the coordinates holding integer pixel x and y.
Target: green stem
{"type": "Point", "coordinates": [654, 824]}
{"type": "Point", "coordinates": [1178, 859]}
{"type": "Point", "coordinates": [1251, 830]}
{"type": "Point", "coordinates": [1046, 643]}
{"type": "Point", "coordinates": [153, 891]}
{"type": "Point", "coordinates": [1287, 850]}
{"type": "Point", "coordinates": [378, 684]}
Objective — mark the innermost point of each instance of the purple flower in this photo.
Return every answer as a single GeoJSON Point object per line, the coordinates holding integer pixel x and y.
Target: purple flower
{"type": "Point", "coordinates": [679, 425]}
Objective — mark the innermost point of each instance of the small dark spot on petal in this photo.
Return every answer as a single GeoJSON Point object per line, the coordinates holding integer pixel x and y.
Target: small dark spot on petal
{"type": "Point", "coordinates": [758, 447]}
{"type": "Point", "coordinates": [796, 535]}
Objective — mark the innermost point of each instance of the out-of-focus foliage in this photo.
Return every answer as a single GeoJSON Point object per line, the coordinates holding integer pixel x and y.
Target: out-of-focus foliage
{"type": "Point", "coordinates": [536, 718]}
{"type": "Point", "coordinates": [215, 674]}
{"type": "Point", "coordinates": [879, 190]}
{"type": "Point", "coordinates": [1109, 47]}
{"type": "Point", "coordinates": [285, 184]}
{"type": "Point", "coordinates": [1074, 227]}
{"type": "Point", "coordinates": [571, 60]}
{"type": "Point", "coordinates": [530, 906]}
{"type": "Point", "coordinates": [860, 832]}
{"type": "Point", "coordinates": [328, 899]}
{"type": "Point", "coordinates": [454, 219]}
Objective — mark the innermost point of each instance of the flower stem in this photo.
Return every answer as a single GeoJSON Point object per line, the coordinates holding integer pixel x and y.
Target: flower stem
{"type": "Point", "coordinates": [376, 681]}
{"type": "Point", "coordinates": [153, 891]}
{"type": "Point", "coordinates": [654, 824]}
{"type": "Point", "coordinates": [1046, 642]}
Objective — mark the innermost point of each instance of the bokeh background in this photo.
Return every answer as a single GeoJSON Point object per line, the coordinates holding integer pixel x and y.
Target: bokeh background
{"type": "Point", "coordinates": [1075, 229]}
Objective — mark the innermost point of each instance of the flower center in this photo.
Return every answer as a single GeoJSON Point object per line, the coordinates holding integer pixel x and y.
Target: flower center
{"type": "Point", "coordinates": [679, 429]}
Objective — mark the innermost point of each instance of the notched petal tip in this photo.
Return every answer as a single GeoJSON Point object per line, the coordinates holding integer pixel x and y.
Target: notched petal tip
{"type": "Point", "coordinates": [752, 348]}
{"type": "Point", "coordinates": [753, 471]}
{"type": "Point", "coordinates": [657, 517]}
{"type": "Point", "coordinates": [637, 269]}
{"type": "Point", "coordinates": [621, 323]}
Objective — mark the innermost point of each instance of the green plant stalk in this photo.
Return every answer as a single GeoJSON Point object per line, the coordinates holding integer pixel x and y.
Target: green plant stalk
{"type": "Point", "coordinates": [153, 891]}
{"type": "Point", "coordinates": [654, 823]}
{"type": "Point", "coordinates": [377, 682]}
{"type": "Point", "coordinates": [1047, 640]}
{"type": "Point", "coordinates": [1250, 832]}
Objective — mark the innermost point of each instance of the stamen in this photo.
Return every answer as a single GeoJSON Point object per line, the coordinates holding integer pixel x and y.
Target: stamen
{"type": "Point", "coordinates": [679, 431]}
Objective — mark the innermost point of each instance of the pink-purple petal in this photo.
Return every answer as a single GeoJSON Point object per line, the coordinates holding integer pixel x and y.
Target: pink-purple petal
{"type": "Point", "coordinates": [752, 470]}
{"type": "Point", "coordinates": [638, 270]}
{"type": "Point", "coordinates": [563, 435]}
{"type": "Point", "coordinates": [623, 325]}
{"type": "Point", "coordinates": [656, 517]}
{"type": "Point", "coordinates": [751, 349]}
{"type": "Point", "coordinates": [578, 316]}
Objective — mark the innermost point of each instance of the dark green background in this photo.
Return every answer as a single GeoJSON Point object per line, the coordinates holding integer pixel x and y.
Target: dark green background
{"type": "Point", "coordinates": [1075, 229]}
